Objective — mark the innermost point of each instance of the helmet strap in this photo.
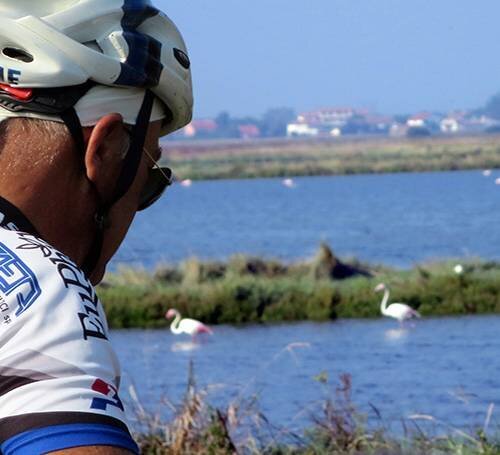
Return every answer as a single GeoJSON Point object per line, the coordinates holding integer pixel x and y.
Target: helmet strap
{"type": "Point", "coordinates": [126, 178]}
{"type": "Point", "coordinates": [72, 122]}
{"type": "Point", "coordinates": [55, 101]}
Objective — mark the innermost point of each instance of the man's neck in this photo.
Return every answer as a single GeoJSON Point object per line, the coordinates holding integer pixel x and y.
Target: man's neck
{"type": "Point", "coordinates": [54, 218]}
{"type": "Point", "coordinates": [12, 218]}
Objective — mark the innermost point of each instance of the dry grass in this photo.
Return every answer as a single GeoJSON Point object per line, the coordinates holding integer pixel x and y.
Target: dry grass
{"type": "Point", "coordinates": [336, 427]}
{"type": "Point", "coordinates": [230, 159]}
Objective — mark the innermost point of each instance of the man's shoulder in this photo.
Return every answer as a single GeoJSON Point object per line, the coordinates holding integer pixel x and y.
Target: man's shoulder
{"type": "Point", "coordinates": [31, 268]}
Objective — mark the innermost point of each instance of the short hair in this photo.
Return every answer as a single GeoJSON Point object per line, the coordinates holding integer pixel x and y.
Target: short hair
{"type": "Point", "coordinates": [22, 127]}
{"type": "Point", "coordinates": [35, 139]}
{"type": "Point", "coordinates": [25, 125]}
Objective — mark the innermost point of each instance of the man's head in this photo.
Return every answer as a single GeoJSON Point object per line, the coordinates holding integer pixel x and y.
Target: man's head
{"type": "Point", "coordinates": [93, 85]}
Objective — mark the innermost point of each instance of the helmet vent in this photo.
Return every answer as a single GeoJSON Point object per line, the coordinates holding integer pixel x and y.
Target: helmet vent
{"type": "Point", "coordinates": [17, 54]}
{"type": "Point", "coordinates": [182, 58]}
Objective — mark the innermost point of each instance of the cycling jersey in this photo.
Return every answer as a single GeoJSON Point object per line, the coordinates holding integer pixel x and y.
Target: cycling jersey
{"type": "Point", "coordinates": [59, 376]}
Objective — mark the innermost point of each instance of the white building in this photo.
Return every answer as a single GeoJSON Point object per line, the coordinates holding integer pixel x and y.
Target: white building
{"type": "Point", "coordinates": [449, 125]}
{"type": "Point", "coordinates": [327, 121]}
{"type": "Point", "coordinates": [301, 129]}
{"type": "Point", "coordinates": [418, 120]}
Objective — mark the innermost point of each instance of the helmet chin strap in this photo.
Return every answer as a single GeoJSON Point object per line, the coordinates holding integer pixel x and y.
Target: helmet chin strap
{"type": "Point", "coordinates": [126, 178]}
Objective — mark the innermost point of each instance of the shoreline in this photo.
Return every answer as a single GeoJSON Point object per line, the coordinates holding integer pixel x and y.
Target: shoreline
{"type": "Point", "coordinates": [335, 425]}
{"type": "Point", "coordinates": [253, 290]}
{"type": "Point", "coordinates": [207, 160]}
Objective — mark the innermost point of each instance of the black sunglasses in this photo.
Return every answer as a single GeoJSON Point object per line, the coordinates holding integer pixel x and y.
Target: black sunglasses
{"type": "Point", "coordinates": [159, 178]}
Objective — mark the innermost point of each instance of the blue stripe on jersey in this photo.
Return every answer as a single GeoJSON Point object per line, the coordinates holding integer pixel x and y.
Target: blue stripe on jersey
{"type": "Point", "coordinates": [143, 66]}
{"type": "Point", "coordinates": [59, 437]}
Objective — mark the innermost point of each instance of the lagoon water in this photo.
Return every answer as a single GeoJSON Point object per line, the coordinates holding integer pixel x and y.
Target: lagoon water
{"type": "Point", "coordinates": [395, 219]}
{"type": "Point", "coordinates": [446, 367]}
{"type": "Point", "coordinates": [449, 367]}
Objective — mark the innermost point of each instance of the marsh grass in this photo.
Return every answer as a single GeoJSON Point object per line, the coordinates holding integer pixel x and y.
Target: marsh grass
{"type": "Point", "coordinates": [198, 427]}
{"type": "Point", "coordinates": [249, 289]}
{"type": "Point", "coordinates": [279, 158]}
{"type": "Point", "coordinates": [335, 427]}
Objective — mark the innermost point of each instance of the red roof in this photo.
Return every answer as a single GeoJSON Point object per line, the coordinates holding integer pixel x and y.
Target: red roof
{"type": "Point", "coordinates": [249, 130]}
{"type": "Point", "coordinates": [421, 116]}
{"type": "Point", "coordinates": [204, 125]}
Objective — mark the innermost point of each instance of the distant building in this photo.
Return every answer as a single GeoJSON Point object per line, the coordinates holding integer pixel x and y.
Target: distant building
{"type": "Point", "coordinates": [398, 129]}
{"type": "Point", "coordinates": [375, 123]}
{"type": "Point", "coordinates": [467, 122]}
{"type": "Point", "coordinates": [339, 121]}
{"type": "Point", "coordinates": [201, 126]}
{"type": "Point", "coordinates": [334, 117]}
{"type": "Point", "coordinates": [326, 121]}
{"type": "Point", "coordinates": [449, 125]}
{"type": "Point", "coordinates": [481, 123]}
{"type": "Point", "coordinates": [419, 120]}
{"type": "Point", "coordinates": [345, 121]}
{"type": "Point", "coordinates": [249, 131]}
{"type": "Point", "coordinates": [300, 129]}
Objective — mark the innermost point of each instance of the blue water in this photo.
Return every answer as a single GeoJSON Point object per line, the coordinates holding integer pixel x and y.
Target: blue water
{"type": "Point", "coordinates": [445, 367]}
{"type": "Point", "coordinates": [395, 219]}
{"type": "Point", "coordinates": [448, 368]}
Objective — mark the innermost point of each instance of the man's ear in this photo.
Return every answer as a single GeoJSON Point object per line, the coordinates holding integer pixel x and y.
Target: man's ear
{"type": "Point", "coordinates": [102, 157]}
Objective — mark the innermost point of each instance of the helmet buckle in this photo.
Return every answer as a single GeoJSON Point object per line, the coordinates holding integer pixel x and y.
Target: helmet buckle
{"type": "Point", "coordinates": [19, 94]}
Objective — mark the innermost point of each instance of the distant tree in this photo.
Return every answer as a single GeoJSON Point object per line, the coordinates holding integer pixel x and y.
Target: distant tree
{"type": "Point", "coordinates": [418, 131]}
{"type": "Point", "coordinates": [356, 125]}
{"type": "Point", "coordinates": [401, 118]}
{"type": "Point", "coordinates": [226, 126]}
{"type": "Point", "coordinates": [223, 120]}
{"type": "Point", "coordinates": [493, 129]}
{"type": "Point", "coordinates": [274, 121]}
{"type": "Point", "coordinates": [492, 107]}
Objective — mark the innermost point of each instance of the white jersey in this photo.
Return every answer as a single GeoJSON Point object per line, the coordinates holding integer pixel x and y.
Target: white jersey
{"type": "Point", "coordinates": [59, 376]}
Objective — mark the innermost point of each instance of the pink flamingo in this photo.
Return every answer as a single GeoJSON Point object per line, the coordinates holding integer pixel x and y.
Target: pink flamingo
{"type": "Point", "coordinates": [189, 326]}
{"type": "Point", "coordinates": [399, 311]}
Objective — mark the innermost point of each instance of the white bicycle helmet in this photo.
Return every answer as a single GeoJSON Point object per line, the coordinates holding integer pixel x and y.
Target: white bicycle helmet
{"type": "Point", "coordinates": [50, 44]}
{"type": "Point", "coordinates": [77, 60]}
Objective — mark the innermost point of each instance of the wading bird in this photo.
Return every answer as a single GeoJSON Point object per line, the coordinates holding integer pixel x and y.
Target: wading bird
{"type": "Point", "coordinates": [188, 326]}
{"type": "Point", "coordinates": [399, 311]}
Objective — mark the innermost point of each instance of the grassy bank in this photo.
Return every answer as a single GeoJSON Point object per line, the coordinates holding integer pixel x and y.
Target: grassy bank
{"type": "Point", "coordinates": [336, 427]}
{"type": "Point", "coordinates": [245, 289]}
{"type": "Point", "coordinates": [225, 159]}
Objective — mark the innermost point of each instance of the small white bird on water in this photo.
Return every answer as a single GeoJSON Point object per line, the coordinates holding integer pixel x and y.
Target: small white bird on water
{"type": "Point", "coordinates": [288, 182]}
{"type": "Point", "coordinates": [399, 311]}
{"type": "Point", "coordinates": [188, 326]}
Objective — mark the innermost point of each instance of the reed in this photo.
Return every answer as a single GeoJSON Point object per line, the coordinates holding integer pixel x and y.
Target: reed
{"type": "Point", "coordinates": [335, 427]}
{"type": "Point", "coordinates": [249, 289]}
{"type": "Point", "coordinates": [279, 158]}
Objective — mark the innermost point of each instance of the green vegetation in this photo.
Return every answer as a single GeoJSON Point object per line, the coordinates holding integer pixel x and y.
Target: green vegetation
{"type": "Point", "coordinates": [336, 427]}
{"type": "Point", "coordinates": [247, 289]}
{"type": "Point", "coordinates": [278, 158]}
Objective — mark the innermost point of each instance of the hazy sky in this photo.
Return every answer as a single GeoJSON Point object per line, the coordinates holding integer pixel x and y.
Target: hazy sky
{"type": "Point", "coordinates": [392, 56]}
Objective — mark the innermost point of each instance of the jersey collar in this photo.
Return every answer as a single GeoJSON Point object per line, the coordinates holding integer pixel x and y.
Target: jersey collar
{"type": "Point", "coordinates": [13, 219]}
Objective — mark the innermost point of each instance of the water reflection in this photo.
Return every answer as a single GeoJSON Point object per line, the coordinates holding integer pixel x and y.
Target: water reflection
{"type": "Point", "coordinates": [185, 346]}
{"type": "Point", "coordinates": [445, 367]}
{"type": "Point", "coordinates": [396, 334]}
{"type": "Point", "coordinates": [462, 395]}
